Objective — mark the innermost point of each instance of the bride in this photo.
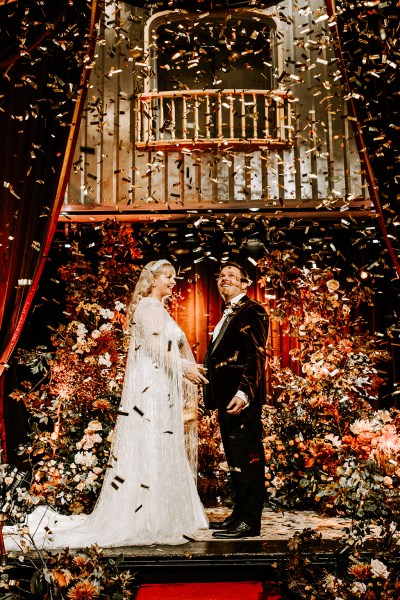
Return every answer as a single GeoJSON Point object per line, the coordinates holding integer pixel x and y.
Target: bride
{"type": "Point", "coordinates": [149, 493]}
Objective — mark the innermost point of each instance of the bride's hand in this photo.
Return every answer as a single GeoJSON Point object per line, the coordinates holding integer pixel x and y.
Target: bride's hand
{"type": "Point", "coordinates": [194, 374]}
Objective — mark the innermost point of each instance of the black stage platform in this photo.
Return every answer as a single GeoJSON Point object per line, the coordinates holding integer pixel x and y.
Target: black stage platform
{"type": "Point", "coordinates": [217, 561]}
{"type": "Point", "coordinates": [208, 559]}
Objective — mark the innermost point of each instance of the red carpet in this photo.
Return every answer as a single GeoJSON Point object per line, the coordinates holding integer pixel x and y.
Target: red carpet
{"type": "Point", "coordinates": [242, 590]}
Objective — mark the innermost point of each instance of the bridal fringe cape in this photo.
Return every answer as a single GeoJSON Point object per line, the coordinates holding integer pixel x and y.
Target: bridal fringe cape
{"type": "Point", "coordinates": [149, 493]}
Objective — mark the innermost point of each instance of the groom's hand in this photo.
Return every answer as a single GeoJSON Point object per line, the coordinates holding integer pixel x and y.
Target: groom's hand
{"type": "Point", "coordinates": [235, 406]}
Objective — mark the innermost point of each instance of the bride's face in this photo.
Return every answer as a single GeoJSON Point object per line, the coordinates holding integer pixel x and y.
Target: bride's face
{"type": "Point", "coordinates": [164, 283]}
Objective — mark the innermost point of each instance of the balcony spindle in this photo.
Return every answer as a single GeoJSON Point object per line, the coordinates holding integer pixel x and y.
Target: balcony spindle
{"type": "Point", "coordinates": [279, 120]}
{"type": "Point", "coordinates": [146, 121]}
{"type": "Point", "coordinates": [208, 117]}
{"type": "Point", "coordinates": [196, 117]}
{"type": "Point", "coordinates": [266, 116]}
{"type": "Point", "coordinates": [255, 117]}
{"type": "Point", "coordinates": [138, 119]}
{"type": "Point", "coordinates": [231, 118]}
{"type": "Point", "coordinates": [184, 118]}
{"type": "Point", "coordinates": [243, 115]}
{"type": "Point", "coordinates": [161, 119]}
{"type": "Point", "coordinates": [154, 123]}
{"type": "Point", "coordinates": [219, 116]}
{"type": "Point", "coordinates": [142, 121]}
{"type": "Point", "coordinates": [173, 123]}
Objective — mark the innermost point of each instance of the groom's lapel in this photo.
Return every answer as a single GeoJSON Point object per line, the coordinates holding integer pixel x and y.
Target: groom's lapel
{"type": "Point", "coordinates": [221, 332]}
{"type": "Point", "coordinates": [226, 323]}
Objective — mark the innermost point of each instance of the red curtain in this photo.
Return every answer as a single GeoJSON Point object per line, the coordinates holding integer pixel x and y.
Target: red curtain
{"type": "Point", "coordinates": [45, 49]}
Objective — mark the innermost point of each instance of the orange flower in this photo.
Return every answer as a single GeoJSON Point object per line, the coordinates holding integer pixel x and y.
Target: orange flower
{"type": "Point", "coordinates": [79, 561]}
{"type": "Point", "coordinates": [83, 590]}
{"type": "Point", "coordinates": [101, 404]}
{"type": "Point", "coordinates": [309, 462]}
{"type": "Point", "coordinates": [360, 571]}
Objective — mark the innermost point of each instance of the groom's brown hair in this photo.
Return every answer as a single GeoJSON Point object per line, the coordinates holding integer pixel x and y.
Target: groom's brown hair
{"type": "Point", "coordinates": [231, 263]}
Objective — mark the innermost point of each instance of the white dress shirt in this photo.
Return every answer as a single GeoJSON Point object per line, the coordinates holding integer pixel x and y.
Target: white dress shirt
{"type": "Point", "coordinates": [227, 311]}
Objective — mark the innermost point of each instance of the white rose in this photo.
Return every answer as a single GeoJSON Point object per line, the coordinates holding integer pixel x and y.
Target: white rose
{"type": "Point", "coordinates": [106, 313]}
{"type": "Point", "coordinates": [334, 440]}
{"type": "Point", "coordinates": [112, 384]}
{"type": "Point", "coordinates": [316, 357]}
{"type": "Point", "coordinates": [331, 583]}
{"type": "Point", "coordinates": [91, 478]}
{"type": "Point", "coordinates": [358, 589]}
{"type": "Point", "coordinates": [86, 459]}
{"type": "Point", "coordinates": [105, 360]}
{"type": "Point", "coordinates": [332, 285]}
{"type": "Point", "coordinates": [378, 569]}
{"type": "Point", "coordinates": [277, 482]}
{"type": "Point", "coordinates": [94, 426]}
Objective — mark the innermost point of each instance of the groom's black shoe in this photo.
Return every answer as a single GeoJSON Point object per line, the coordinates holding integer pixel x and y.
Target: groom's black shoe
{"type": "Point", "coordinates": [223, 525]}
{"type": "Point", "coordinates": [240, 530]}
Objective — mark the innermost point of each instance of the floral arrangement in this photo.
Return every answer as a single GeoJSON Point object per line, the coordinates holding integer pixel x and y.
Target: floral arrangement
{"type": "Point", "coordinates": [326, 446]}
{"type": "Point", "coordinates": [356, 571]}
{"type": "Point", "coordinates": [84, 575]}
{"type": "Point", "coordinates": [74, 405]}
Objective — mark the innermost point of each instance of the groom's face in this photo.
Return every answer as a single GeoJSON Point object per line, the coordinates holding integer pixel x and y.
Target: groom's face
{"type": "Point", "coordinates": [230, 283]}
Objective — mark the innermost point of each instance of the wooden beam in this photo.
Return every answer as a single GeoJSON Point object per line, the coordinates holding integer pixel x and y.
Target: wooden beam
{"type": "Point", "coordinates": [96, 216]}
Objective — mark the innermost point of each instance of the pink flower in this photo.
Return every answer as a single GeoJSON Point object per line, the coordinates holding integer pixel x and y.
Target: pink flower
{"type": "Point", "coordinates": [388, 442]}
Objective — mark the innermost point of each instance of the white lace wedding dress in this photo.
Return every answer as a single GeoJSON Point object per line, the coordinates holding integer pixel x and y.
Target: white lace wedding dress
{"type": "Point", "coordinates": [149, 493]}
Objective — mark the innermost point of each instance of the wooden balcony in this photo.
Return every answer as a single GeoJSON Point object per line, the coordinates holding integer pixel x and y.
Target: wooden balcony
{"type": "Point", "coordinates": [213, 119]}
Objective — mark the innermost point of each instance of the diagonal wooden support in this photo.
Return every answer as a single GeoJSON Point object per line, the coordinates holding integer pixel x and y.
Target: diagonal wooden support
{"type": "Point", "coordinates": [360, 140]}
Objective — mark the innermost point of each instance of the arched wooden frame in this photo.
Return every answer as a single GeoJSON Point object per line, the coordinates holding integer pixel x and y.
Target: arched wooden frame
{"type": "Point", "coordinates": [150, 44]}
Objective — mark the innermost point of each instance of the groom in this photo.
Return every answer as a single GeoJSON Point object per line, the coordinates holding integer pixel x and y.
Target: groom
{"type": "Point", "coordinates": [235, 362]}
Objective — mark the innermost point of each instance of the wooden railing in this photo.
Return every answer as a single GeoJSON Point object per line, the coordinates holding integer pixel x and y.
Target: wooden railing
{"type": "Point", "coordinates": [210, 117]}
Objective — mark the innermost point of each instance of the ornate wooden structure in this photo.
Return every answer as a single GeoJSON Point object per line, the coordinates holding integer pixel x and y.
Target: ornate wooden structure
{"type": "Point", "coordinates": [235, 110]}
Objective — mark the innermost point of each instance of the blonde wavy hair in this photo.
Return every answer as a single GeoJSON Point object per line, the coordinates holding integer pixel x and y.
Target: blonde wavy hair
{"type": "Point", "coordinates": [145, 284]}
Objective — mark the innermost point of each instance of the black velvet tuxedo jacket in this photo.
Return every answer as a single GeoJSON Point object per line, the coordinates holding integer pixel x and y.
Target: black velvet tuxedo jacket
{"type": "Point", "coordinates": [235, 360]}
